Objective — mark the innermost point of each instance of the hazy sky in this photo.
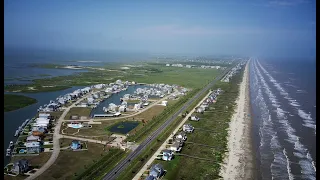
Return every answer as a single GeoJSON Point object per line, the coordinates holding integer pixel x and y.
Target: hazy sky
{"type": "Point", "coordinates": [248, 27]}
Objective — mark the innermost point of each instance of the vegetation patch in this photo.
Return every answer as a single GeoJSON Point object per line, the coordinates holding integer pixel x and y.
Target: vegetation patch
{"type": "Point", "coordinates": [14, 102]}
{"type": "Point", "coordinates": [79, 111]}
{"type": "Point", "coordinates": [70, 164]}
{"type": "Point", "coordinates": [212, 132]}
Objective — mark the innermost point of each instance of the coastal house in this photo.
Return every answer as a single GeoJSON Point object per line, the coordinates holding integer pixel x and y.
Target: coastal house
{"type": "Point", "coordinates": [181, 135]}
{"type": "Point", "coordinates": [164, 103]}
{"type": "Point", "coordinates": [44, 115]}
{"type": "Point", "coordinates": [75, 145]}
{"type": "Point", "coordinates": [122, 108]}
{"type": "Point", "coordinates": [167, 155]}
{"type": "Point", "coordinates": [118, 82]}
{"type": "Point", "coordinates": [95, 96]}
{"type": "Point", "coordinates": [200, 110]}
{"type": "Point", "coordinates": [156, 171]}
{"type": "Point", "coordinates": [99, 86]}
{"type": "Point", "coordinates": [86, 90]}
{"type": "Point", "coordinates": [33, 147]}
{"type": "Point", "coordinates": [188, 128]}
{"type": "Point", "coordinates": [38, 131]}
{"type": "Point", "coordinates": [108, 90]}
{"type": "Point", "coordinates": [20, 167]}
{"type": "Point", "coordinates": [137, 106]}
{"type": "Point", "coordinates": [176, 146]}
{"type": "Point", "coordinates": [112, 107]}
{"type": "Point", "coordinates": [150, 178]}
{"type": "Point", "coordinates": [90, 100]}
{"type": "Point", "coordinates": [33, 138]}
{"type": "Point", "coordinates": [41, 122]}
{"type": "Point", "coordinates": [194, 118]}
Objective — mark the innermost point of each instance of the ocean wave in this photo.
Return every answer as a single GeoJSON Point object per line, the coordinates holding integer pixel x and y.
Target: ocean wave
{"type": "Point", "coordinates": [269, 137]}
{"type": "Point", "coordinates": [301, 91]}
{"type": "Point", "coordinates": [288, 165]}
{"type": "Point", "coordinates": [265, 128]}
{"type": "Point", "coordinates": [292, 137]}
{"type": "Point", "coordinates": [308, 122]}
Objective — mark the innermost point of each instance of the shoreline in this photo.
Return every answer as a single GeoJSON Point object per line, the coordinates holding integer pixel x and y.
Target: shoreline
{"type": "Point", "coordinates": [239, 162]}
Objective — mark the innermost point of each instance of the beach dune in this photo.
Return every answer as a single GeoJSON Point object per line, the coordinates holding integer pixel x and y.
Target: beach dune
{"type": "Point", "coordinates": [239, 160]}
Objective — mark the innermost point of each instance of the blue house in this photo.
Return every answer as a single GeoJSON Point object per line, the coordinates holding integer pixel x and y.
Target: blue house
{"type": "Point", "coordinates": [75, 145]}
{"type": "Point", "coordinates": [150, 178]}
{"type": "Point", "coordinates": [156, 170]}
{"type": "Point", "coordinates": [21, 166]}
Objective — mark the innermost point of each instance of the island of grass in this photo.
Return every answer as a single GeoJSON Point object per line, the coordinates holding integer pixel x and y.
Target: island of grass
{"type": "Point", "coordinates": [140, 72]}
{"type": "Point", "coordinates": [14, 102]}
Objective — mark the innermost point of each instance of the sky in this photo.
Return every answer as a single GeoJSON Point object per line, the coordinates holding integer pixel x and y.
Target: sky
{"type": "Point", "coordinates": [284, 28]}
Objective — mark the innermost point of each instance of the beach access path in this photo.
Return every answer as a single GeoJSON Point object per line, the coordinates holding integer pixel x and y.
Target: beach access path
{"type": "Point", "coordinates": [238, 163]}
{"type": "Point", "coordinates": [163, 146]}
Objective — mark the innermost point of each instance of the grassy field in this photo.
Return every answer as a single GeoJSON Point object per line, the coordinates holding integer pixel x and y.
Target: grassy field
{"type": "Point", "coordinates": [35, 161]}
{"type": "Point", "coordinates": [145, 73]}
{"type": "Point", "coordinates": [79, 111]}
{"type": "Point", "coordinates": [70, 164]}
{"type": "Point", "coordinates": [14, 102]}
{"type": "Point", "coordinates": [185, 77]}
{"type": "Point", "coordinates": [215, 123]}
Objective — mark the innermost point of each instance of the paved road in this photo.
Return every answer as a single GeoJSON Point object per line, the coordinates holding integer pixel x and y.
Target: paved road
{"type": "Point", "coordinates": [84, 139]}
{"type": "Point", "coordinates": [56, 144]}
{"type": "Point", "coordinates": [164, 144]}
{"type": "Point", "coordinates": [113, 174]}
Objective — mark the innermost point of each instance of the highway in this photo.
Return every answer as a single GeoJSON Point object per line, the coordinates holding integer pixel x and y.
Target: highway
{"type": "Point", "coordinates": [117, 170]}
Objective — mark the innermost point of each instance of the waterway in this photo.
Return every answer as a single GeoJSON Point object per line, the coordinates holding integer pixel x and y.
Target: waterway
{"type": "Point", "coordinates": [14, 119]}
{"type": "Point", "coordinates": [123, 127]}
{"type": "Point", "coordinates": [114, 98]}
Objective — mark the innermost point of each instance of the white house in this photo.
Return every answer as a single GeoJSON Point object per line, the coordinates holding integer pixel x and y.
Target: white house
{"type": "Point", "coordinates": [164, 103]}
{"type": "Point", "coordinates": [167, 64]}
{"type": "Point", "coordinates": [187, 128]}
{"type": "Point", "coordinates": [176, 146]}
{"type": "Point", "coordinates": [118, 81]}
{"type": "Point", "coordinates": [200, 110]}
{"type": "Point", "coordinates": [122, 108]}
{"type": "Point", "coordinates": [167, 155]}
{"type": "Point", "coordinates": [181, 135]}
{"type": "Point", "coordinates": [194, 118]}
{"type": "Point", "coordinates": [90, 100]}
{"type": "Point", "coordinates": [33, 138]}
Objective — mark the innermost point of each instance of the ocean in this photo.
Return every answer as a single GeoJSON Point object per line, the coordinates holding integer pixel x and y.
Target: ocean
{"type": "Point", "coordinates": [283, 102]}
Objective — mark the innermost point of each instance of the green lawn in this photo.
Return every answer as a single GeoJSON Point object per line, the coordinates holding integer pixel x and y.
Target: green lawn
{"type": "Point", "coordinates": [14, 102]}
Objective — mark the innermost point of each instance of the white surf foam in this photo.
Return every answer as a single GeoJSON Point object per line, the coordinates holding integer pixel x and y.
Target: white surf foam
{"type": "Point", "coordinates": [269, 137]}
{"type": "Point", "coordinates": [308, 121]}
{"type": "Point", "coordinates": [301, 151]}
{"type": "Point", "coordinates": [288, 165]}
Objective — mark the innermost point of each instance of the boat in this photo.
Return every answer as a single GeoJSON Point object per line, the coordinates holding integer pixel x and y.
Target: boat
{"type": "Point", "coordinates": [16, 133]}
{"type": "Point", "coordinates": [11, 144]}
{"type": "Point", "coordinates": [8, 152]}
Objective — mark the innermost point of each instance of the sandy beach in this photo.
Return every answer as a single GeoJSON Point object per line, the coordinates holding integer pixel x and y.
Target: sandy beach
{"type": "Point", "coordinates": [239, 162]}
